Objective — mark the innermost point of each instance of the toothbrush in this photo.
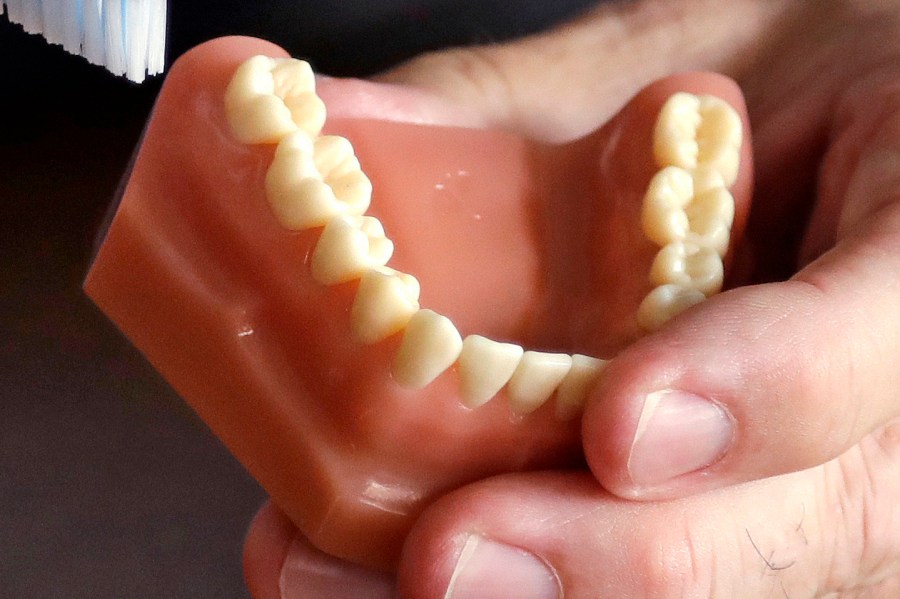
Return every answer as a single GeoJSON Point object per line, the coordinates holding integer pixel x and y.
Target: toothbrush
{"type": "Point", "coordinates": [128, 37]}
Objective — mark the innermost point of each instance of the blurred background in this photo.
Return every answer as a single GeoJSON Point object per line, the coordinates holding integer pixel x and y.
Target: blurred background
{"type": "Point", "coordinates": [109, 486]}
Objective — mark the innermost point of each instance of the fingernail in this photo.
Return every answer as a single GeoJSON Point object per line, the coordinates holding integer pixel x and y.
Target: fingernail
{"type": "Point", "coordinates": [677, 433]}
{"type": "Point", "coordinates": [490, 570]}
{"type": "Point", "coordinates": [308, 573]}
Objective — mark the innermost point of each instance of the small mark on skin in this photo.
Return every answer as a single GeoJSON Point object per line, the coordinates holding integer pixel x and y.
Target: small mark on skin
{"type": "Point", "coordinates": [768, 560]}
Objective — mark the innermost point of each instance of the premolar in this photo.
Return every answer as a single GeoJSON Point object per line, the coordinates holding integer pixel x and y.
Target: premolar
{"type": "Point", "coordinates": [348, 247]}
{"type": "Point", "coordinates": [663, 214]}
{"type": "Point", "coordinates": [385, 301]}
{"type": "Point", "coordinates": [664, 303]}
{"type": "Point", "coordinates": [689, 265]}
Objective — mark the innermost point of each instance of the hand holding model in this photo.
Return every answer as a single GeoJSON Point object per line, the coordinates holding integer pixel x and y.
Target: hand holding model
{"type": "Point", "coordinates": [751, 447]}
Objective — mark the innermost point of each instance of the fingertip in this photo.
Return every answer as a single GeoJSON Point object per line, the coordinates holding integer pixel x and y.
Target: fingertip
{"type": "Point", "coordinates": [265, 549]}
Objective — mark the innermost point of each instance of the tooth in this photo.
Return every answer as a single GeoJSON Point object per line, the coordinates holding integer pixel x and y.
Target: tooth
{"type": "Point", "coordinates": [431, 344]}
{"type": "Point", "coordinates": [302, 196]}
{"type": "Point", "coordinates": [665, 302]}
{"type": "Point", "coordinates": [663, 213]}
{"type": "Point", "coordinates": [535, 379]}
{"type": "Point", "coordinates": [348, 246]}
{"type": "Point", "coordinates": [484, 367]}
{"type": "Point", "coordinates": [706, 178]}
{"type": "Point", "coordinates": [573, 390]}
{"type": "Point", "coordinates": [710, 216]}
{"type": "Point", "coordinates": [694, 131]}
{"type": "Point", "coordinates": [689, 265]}
{"type": "Point", "coordinates": [385, 301]}
{"type": "Point", "coordinates": [719, 138]}
{"type": "Point", "coordinates": [269, 98]}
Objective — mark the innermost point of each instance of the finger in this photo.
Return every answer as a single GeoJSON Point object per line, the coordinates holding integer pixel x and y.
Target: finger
{"type": "Point", "coordinates": [279, 563]}
{"type": "Point", "coordinates": [768, 379]}
{"type": "Point", "coordinates": [542, 536]}
{"type": "Point", "coordinates": [564, 83]}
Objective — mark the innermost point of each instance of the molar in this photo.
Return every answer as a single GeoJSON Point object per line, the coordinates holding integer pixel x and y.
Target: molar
{"type": "Point", "coordinates": [711, 215]}
{"type": "Point", "coordinates": [484, 367]}
{"type": "Point", "coordinates": [663, 213]}
{"type": "Point", "coordinates": [535, 379]}
{"type": "Point", "coordinates": [689, 265]}
{"type": "Point", "coordinates": [572, 392]}
{"type": "Point", "coordinates": [269, 98]}
{"type": "Point", "coordinates": [431, 344]}
{"type": "Point", "coordinates": [385, 301]}
{"type": "Point", "coordinates": [303, 194]}
{"type": "Point", "coordinates": [665, 302]}
{"type": "Point", "coordinates": [348, 246]}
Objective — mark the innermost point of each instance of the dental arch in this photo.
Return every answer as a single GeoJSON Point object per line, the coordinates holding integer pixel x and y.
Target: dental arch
{"type": "Point", "coordinates": [315, 181]}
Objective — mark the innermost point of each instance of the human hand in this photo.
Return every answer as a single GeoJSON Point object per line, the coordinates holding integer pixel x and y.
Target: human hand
{"type": "Point", "coordinates": [806, 369]}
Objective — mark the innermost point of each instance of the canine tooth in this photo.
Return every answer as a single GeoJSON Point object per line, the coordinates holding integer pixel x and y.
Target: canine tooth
{"type": "Point", "coordinates": [663, 213]}
{"type": "Point", "coordinates": [573, 390]}
{"type": "Point", "coordinates": [431, 344]}
{"type": "Point", "coordinates": [348, 246]}
{"type": "Point", "coordinates": [302, 196]}
{"type": "Point", "coordinates": [269, 98]}
{"type": "Point", "coordinates": [385, 301]}
{"type": "Point", "coordinates": [689, 265]}
{"type": "Point", "coordinates": [694, 131]}
{"type": "Point", "coordinates": [484, 367]}
{"type": "Point", "coordinates": [534, 380]}
{"type": "Point", "coordinates": [665, 302]}
{"type": "Point", "coordinates": [711, 215]}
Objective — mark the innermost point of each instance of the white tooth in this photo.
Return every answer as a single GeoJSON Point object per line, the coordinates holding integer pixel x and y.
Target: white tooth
{"type": "Point", "coordinates": [573, 390]}
{"type": "Point", "coordinates": [694, 131]}
{"type": "Point", "coordinates": [301, 197]}
{"type": "Point", "coordinates": [385, 301]}
{"type": "Point", "coordinates": [348, 246]}
{"type": "Point", "coordinates": [334, 155]}
{"type": "Point", "coordinates": [711, 215]}
{"type": "Point", "coordinates": [535, 379]}
{"type": "Point", "coordinates": [719, 138]}
{"type": "Point", "coordinates": [689, 265]}
{"type": "Point", "coordinates": [431, 344]}
{"type": "Point", "coordinates": [269, 98]}
{"type": "Point", "coordinates": [484, 367]}
{"type": "Point", "coordinates": [665, 302]}
{"type": "Point", "coordinates": [706, 178]}
{"type": "Point", "coordinates": [663, 213]}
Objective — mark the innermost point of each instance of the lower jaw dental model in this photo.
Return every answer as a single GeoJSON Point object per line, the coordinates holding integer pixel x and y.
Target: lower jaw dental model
{"type": "Point", "coordinates": [249, 261]}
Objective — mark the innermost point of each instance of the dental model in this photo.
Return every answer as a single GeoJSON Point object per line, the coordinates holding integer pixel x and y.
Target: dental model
{"type": "Point", "coordinates": [317, 182]}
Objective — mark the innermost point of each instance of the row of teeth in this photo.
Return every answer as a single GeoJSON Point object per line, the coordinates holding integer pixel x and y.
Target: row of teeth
{"type": "Point", "coordinates": [688, 210]}
{"type": "Point", "coordinates": [316, 181]}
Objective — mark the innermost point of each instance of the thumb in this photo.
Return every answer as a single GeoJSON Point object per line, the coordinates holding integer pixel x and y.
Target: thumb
{"type": "Point", "coordinates": [564, 83]}
{"type": "Point", "coordinates": [773, 378]}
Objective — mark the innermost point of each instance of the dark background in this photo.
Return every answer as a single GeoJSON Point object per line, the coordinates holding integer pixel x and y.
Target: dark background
{"type": "Point", "coordinates": [109, 486]}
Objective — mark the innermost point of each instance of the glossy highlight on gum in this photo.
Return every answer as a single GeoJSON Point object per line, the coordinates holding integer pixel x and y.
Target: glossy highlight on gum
{"type": "Point", "coordinates": [294, 329]}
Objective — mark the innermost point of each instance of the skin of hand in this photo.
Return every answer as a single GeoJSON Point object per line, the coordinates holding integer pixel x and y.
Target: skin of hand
{"type": "Point", "coordinates": [799, 361]}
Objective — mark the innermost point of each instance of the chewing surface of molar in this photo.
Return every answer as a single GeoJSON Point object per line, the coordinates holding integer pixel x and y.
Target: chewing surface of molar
{"type": "Point", "coordinates": [690, 265]}
{"type": "Point", "coordinates": [663, 215]}
{"type": "Point", "coordinates": [664, 303]}
{"type": "Point", "coordinates": [693, 131]}
{"type": "Point", "coordinates": [384, 303]}
{"type": "Point", "coordinates": [269, 98]}
{"type": "Point", "coordinates": [348, 246]}
{"type": "Point", "coordinates": [431, 344]}
{"type": "Point", "coordinates": [711, 214]}
{"type": "Point", "coordinates": [535, 379]}
{"type": "Point", "coordinates": [306, 190]}
{"type": "Point", "coordinates": [572, 391]}
{"type": "Point", "coordinates": [485, 366]}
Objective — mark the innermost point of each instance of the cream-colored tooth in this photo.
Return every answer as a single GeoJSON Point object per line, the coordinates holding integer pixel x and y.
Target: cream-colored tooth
{"type": "Point", "coordinates": [690, 265]}
{"type": "Point", "coordinates": [706, 178]}
{"type": "Point", "coordinates": [665, 302]}
{"type": "Point", "coordinates": [535, 379]}
{"type": "Point", "coordinates": [719, 138]}
{"type": "Point", "coordinates": [348, 246]}
{"type": "Point", "coordinates": [572, 392]}
{"type": "Point", "coordinates": [710, 217]}
{"type": "Point", "coordinates": [675, 134]}
{"type": "Point", "coordinates": [269, 98]}
{"type": "Point", "coordinates": [484, 367]}
{"type": "Point", "coordinates": [663, 213]}
{"type": "Point", "coordinates": [384, 303]}
{"type": "Point", "coordinates": [431, 344]}
{"type": "Point", "coordinates": [334, 155]}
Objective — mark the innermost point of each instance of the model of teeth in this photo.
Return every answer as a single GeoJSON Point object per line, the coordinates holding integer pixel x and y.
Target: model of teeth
{"type": "Point", "coordinates": [316, 182]}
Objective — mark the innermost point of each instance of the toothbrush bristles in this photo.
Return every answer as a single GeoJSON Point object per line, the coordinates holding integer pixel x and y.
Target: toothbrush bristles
{"type": "Point", "coordinates": [128, 37]}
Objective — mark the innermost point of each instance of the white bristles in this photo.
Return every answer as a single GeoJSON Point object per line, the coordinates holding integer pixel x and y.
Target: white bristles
{"type": "Point", "coordinates": [128, 37]}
